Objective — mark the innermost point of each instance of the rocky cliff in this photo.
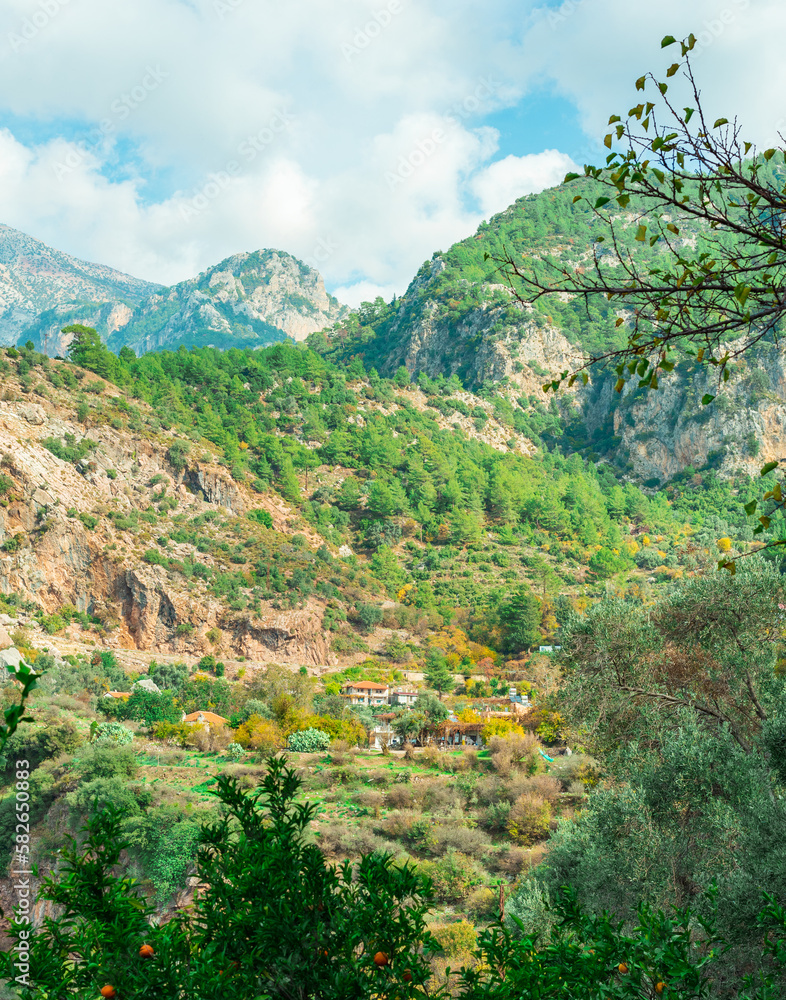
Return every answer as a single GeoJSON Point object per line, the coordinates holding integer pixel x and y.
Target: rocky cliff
{"type": "Point", "coordinates": [42, 290]}
{"type": "Point", "coordinates": [456, 317]}
{"type": "Point", "coordinates": [75, 532]}
{"type": "Point", "coordinates": [247, 299]}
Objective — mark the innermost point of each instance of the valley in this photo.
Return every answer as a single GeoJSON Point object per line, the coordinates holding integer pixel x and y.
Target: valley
{"type": "Point", "coordinates": [201, 516]}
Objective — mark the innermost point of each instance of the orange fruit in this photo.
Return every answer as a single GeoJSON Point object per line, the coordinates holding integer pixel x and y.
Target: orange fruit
{"type": "Point", "coordinates": [623, 968]}
{"type": "Point", "coordinates": [381, 959]}
{"type": "Point", "coordinates": [146, 951]}
{"type": "Point", "coordinates": [108, 992]}
{"type": "Point", "coordinates": [660, 987]}
{"type": "Point", "coordinates": [407, 977]}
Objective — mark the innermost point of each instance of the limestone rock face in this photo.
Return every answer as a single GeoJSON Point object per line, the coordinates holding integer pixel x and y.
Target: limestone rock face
{"type": "Point", "coordinates": [69, 548]}
{"type": "Point", "coordinates": [742, 429]}
{"type": "Point", "coordinates": [247, 299]}
{"type": "Point", "coordinates": [42, 290]}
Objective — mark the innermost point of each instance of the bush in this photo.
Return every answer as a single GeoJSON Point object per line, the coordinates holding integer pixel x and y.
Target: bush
{"type": "Point", "coordinates": [106, 760]}
{"type": "Point", "coordinates": [309, 741]}
{"type": "Point", "coordinates": [529, 905]}
{"type": "Point", "coordinates": [260, 516]}
{"type": "Point", "coordinates": [453, 876]}
{"type": "Point", "coordinates": [113, 733]}
{"type": "Point", "coordinates": [461, 838]}
{"type": "Point", "coordinates": [457, 939]}
{"type": "Point", "coordinates": [235, 752]}
{"type": "Point", "coordinates": [529, 818]}
{"type": "Point", "coordinates": [370, 615]}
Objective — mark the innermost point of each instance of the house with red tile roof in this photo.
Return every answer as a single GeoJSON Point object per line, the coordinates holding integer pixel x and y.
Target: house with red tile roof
{"type": "Point", "coordinates": [207, 718]}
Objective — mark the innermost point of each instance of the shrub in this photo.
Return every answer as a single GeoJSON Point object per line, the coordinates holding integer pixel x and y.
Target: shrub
{"type": "Point", "coordinates": [515, 750]}
{"type": "Point", "coordinates": [529, 818]}
{"type": "Point", "coordinates": [530, 905]}
{"type": "Point", "coordinates": [113, 732]}
{"type": "Point", "coordinates": [510, 860]}
{"type": "Point", "coordinates": [261, 517]}
{"type": "Point", "coordinates": [309, 741]}
{"type": "Point", "coordinates": [453, 876]}
{"type": "Point", "coordinates": [457, 939]}
{"type": "Point", "coordinates": [106, 760]}
{"type": "Point", "coordinates": [399, 797]}
{"type": "Point", "coordinates": [370, 615]}
{"type": "Point", "coordinates": [461, 838]}
{"type": "Point", "coordinates": [235, 752]}
{"type": "Point", "coordinates": [482, 903]}
{"type": "Point", "coordinates": [496, 816]}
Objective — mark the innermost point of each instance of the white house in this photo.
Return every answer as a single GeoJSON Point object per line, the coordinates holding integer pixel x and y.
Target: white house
{"type": "Point", "coordinates": [403, 696]}
{"type": "Point", "coordinates": [366, 693]}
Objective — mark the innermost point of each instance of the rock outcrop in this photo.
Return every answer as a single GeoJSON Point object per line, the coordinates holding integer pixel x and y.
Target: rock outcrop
{"type": "Point", "coordinates": [64, 540]}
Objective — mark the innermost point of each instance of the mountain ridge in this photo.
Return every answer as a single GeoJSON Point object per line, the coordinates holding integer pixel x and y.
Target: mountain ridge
{"type": "Point", "coordinates": [250, 298]}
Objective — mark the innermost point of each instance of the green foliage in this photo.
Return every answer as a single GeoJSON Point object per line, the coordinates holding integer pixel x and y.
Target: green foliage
{"type": "Point", "coordinates": [309, 741]}
{"type": "Point", "coordinates": [261, 516]}
{"type": "Point", "coordinates": [48, 743]}
{"type": "Point", "coordinates": [114, 733]}
{"type": "Point", "coordinates": [370, 615]}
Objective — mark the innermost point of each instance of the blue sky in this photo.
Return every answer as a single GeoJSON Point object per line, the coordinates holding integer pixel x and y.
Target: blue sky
{"type": "Point", "coordinates": [159, 137]}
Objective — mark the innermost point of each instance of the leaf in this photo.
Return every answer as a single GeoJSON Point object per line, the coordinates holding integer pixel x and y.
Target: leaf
{"type": "Point", "coordinates": [720, 121]}
{"type": "Point", "coordinates": [663, 87]}
{"type": "Point", "coordinates": [741, 293]}
{"type": "Point", "coordinates": [640, 82]}
{"type": "Point", "coordinates": [614, 118]}
{"type": "Point", "coordinates": [607, 141]}
{"type": "Point", "coordinates": [673, 229]}
{"type": "Point", "coordinates": [769, 153]}
{"type": "Point", "coordinates": [700, 355]}
{"type": "Point", "coordinates": [667, 40]}
{"type": "Point", "coordinates": [730, 566]}
{"type": "Point", "coordinates": [601, 202]}
{"type": "Point", "coordinates": [570, 177]}
{"type": "Point", "coordinates": [641, 234]}
{"type": "Point", "coordinates": [750, 508]}
{"type": "Point", "coordinates": [706, 399]}
{"type": "Point", "coordinates": [672, 69]}
{"type": "Point", "coordinates": [768, 468]}
{"type": "Point", "coordinates": [619, 321]}
{"type": "Point", "coordinates": [620, 385]}
{"type": "Point", "coordinates": [623, 200]}
{"type": "Point", "coordinates": [577, 198]}
{"type": "Point", "coordinates": [689, 112]}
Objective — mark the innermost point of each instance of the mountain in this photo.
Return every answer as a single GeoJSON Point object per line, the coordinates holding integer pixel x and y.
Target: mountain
{"type": "Point", "coordinates": [457, 317]}
{"type": "Point", "coordinates": [248, 299]}
{"type": "Point", "coordinates": [42, 290]}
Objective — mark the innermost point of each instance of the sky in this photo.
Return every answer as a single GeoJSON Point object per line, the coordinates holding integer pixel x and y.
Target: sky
{"type": "Point", "coordinates": [161, 136]}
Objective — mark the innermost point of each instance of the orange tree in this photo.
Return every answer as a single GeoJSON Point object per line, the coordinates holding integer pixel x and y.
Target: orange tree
{"type": "Point", "coordinates": [275, 920]}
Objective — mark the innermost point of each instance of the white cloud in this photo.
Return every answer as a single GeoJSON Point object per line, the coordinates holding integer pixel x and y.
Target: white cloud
{"type": "Point", "coordinates": [503, 182]}
{"type": "Point", "coordinates": [347, 132]}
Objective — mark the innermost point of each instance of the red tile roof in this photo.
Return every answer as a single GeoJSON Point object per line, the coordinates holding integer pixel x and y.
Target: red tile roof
{"type": "Point", "coordinates": [210, 717]}
{"type": "Point", "coordinates": [370, 685]}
